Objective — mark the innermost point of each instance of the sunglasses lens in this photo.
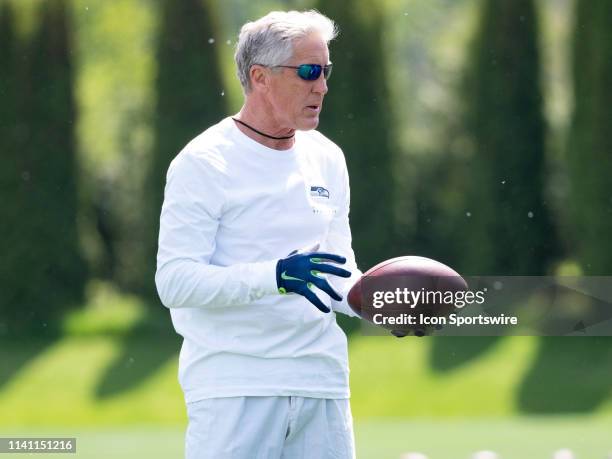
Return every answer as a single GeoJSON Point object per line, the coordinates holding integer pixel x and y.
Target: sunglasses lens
{"type": "Point", "coordinates": [309, 72]}
{"type": "Point", "coordinates": [327, 71]}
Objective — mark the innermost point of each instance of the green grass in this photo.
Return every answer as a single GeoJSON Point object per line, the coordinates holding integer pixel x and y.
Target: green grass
{"type": "Point", "coordinates": [116, 363]}
{"type": "Point", "coordinates": [520, 438]}
{"type": "Point", "coordinates": [68, 383]}
{"type": "Point", "coordinates": [395, 377]}
{"type": "Point", "coordinates": [127, 375]}
{"type": "Point", "coordinates": [111, 381]}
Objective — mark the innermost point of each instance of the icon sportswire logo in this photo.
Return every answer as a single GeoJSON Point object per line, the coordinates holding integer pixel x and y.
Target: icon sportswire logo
{"type": "Point", "coordinates": [319, 191]}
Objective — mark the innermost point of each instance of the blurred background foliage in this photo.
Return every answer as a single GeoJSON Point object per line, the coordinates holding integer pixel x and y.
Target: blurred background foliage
{"type": "Point", "coordinates": [475, 133]}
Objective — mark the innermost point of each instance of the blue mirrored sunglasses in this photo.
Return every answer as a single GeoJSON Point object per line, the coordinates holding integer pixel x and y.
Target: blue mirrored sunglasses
{"type": "Point", "coordinates": [310, 72]}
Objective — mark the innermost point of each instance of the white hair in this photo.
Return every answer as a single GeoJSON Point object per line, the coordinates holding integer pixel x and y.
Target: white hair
{"type": "Point", "coordinates": [269, 40]}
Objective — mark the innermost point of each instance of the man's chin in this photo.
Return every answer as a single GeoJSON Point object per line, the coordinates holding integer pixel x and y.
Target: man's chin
{"type": "Point", "coordinates": [309, 124]}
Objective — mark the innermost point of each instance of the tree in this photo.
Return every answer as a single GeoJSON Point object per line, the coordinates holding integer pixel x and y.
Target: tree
{"type": "Point", "coordinates": [189, 99]}
{"type": "Point", "coordinates": [506, 228]}
{"type": "Point", "coordinates": [9, 169]}
{"type": "Point", "coordinates": [47, 272]}
{"type": "Point", "coordinates": [357, 116]}
{"type": "Point", "coordinates": [590, 144]}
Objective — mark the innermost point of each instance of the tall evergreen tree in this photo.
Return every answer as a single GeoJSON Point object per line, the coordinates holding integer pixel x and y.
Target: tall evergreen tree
{"type": "Point", "coordinates": [47, 270]}
{"type": "Point", "coordinates": [357, 116]}
{"type": "Point", "coordinates": [590, 148]}
{"type": "Point", "coordinates": [507, 228]}
{"type": "Point", "coordinates": [9, 157]}
{"type": "Point", "coordinates": [189, 99]}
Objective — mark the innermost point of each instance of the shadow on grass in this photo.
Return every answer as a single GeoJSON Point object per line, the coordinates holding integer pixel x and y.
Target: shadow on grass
{"type": "Point", "coordinates": [568, 375]}
{"type": "Point", "coordinates": [146, 348]}
{"type": "Point", "coordinates": [17, 352]}
{"type": "Point", "coordinates": [451, 352]}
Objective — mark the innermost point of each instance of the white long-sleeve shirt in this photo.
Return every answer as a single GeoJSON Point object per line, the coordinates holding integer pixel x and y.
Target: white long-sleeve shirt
{"type": "Point", "coordinates": [232, 208]}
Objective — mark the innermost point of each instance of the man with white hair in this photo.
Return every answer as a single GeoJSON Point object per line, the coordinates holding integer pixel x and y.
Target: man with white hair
{"type": "Point", "coordinates": [254, 229]}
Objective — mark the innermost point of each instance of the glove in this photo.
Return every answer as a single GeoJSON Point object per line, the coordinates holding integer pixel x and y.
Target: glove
{"type": "Point", "coordinates": [399, 333]}
{"type": "Point", "coordinates": [419, 333]}
{"type": "Point", "coordinates": [403, 334]}
{"type": "Point", "coordinates": [300, 271]}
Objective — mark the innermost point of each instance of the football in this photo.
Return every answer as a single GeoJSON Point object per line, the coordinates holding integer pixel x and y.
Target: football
{"type": "Point", "coordinates": [406, 286]}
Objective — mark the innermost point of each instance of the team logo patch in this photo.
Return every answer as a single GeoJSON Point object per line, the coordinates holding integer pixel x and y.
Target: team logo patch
{"type": "Point", "coordinates": [319, 191]}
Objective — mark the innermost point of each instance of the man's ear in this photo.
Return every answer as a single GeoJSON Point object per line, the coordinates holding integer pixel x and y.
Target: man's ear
{"type": "Point", "coordinates": [259, 77]}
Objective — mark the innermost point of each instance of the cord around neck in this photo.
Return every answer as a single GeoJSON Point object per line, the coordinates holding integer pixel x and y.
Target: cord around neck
{"type": "Point", "coordinates": [262, 133]}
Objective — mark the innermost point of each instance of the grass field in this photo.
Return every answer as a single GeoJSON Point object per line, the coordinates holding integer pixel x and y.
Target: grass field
{"type": "Point", "coordinates": [121, 380]}
{"type": "Point", "coordinates": [110, 379]}
{"type": "Point", "coordinates": [518, 438]}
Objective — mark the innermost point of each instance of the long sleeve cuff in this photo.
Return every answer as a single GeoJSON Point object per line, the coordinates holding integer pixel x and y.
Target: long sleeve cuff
{"type": "Point", "coordinates": [264, 276]}
{"type": "Point", "coordinates": [188, 284]}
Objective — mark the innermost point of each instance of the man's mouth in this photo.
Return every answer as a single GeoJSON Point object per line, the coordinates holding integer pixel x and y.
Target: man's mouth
{"type": "Point", "coordinates": [315, 108]}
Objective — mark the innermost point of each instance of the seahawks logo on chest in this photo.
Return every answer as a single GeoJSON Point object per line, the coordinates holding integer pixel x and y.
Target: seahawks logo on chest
{"type": "Point", "coordinates": [319, 192]}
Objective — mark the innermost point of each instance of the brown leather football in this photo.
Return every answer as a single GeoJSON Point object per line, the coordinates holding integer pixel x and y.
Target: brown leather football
{"type": "Point", "coordinates": [408, 285]}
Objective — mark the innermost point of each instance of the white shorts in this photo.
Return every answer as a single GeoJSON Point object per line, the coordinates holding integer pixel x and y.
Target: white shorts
{"type": "Point", "coordinates": [270, 428]}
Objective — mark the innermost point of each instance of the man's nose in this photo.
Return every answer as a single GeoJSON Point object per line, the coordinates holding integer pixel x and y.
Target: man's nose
{"type": "Point", "coordinates": [320, 85]}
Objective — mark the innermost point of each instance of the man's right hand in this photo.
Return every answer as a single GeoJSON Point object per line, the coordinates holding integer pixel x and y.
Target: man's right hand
{"type": "Point", "coordinates": [300, 271]}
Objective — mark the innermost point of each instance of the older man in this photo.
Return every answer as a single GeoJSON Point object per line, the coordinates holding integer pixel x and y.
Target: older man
{"type": "Point", "coordinates": [254, 233]}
